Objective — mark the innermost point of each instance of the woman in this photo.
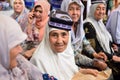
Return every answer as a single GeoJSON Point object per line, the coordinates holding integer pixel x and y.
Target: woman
{"type": "Point", "coordinates": [97, 33]}
{"type": "Point", "coordinates": [100, 37]}
{"type": "Point", "coordinates": [13, 66]}
{"type": "Point", "coordinates": [20, 12]}
{"type": "Point", "coordinates": [75, 9]}
{"type": "Point", "coordinates": [37, 20]}
{"type": "Point", "coordinates": [54, 55]}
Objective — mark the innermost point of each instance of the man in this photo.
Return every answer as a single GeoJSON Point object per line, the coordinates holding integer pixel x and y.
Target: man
{"type": "Point", "coordinates": [113, 26]}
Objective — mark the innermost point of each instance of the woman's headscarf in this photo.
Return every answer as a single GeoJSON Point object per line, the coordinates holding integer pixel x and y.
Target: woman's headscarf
{"type": "Point", "coordinates": [22, 17]}
{"type": "Point", "coordinates": [45, 6]}
{"type": "Point", "coordinates": [46, 9]}
{"type": "Point", "coordinates": [78, 37]}
{"type": "Point", "coordinates": [102, 34]}
{"type": "Point", "coordinates": [60, 65]}
{"type": "Point", "coordinates": [10, 36]}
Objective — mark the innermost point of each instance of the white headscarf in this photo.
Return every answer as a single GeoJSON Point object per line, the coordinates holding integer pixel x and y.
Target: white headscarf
{"type": "Point", "coordinates": [60, 65]}
{"type": "Point", "coordinates": [10, 36]}
{"type": "Point", "coordinates": [102, 34]}
{"type": "Point", "coordinates": [88, 6]}
{"type": "Point", "coordinates": [78, 38]}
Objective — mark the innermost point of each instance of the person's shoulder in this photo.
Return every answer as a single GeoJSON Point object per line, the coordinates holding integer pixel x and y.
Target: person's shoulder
{"type": "Point", "coordinates": [87, 24]}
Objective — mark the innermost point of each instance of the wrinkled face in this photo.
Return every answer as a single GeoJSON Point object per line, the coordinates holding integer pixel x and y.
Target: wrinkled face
{"type": "Point", "coordinates": [100, 11]}
{"type": "Point", "coordinates": [18, 6]}
{"type": "Point", "coordinates": [74, 11]}
{"type": "Point", "coordinates": [14, 52]}
{"type": "Point", "coordinates": [58, 40]}
{"type": "Point", "coordinates": [38, 13]}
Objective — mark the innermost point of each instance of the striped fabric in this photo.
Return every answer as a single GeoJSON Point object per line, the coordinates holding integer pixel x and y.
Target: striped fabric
{"type": "Point", "coordinates": [97, 1]}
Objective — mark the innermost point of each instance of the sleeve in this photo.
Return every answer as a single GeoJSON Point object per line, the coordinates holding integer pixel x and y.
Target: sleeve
{"type": "Point", "coordinates": [82, 60]}
{"type": "Point", "coordinates": [32, 71]}
{"type": "Point", "coordinates": [90, 35]}
{"type": "Point", "coordinates": [87, 48]}
{"type": "Point", "coordinates": [108, 24]}
{"type": "Point", "coordinates": [89, 30]}
{"type": "Point", "coordinates": [112, 21]}
{"type": "Point", "coordinates": [4, 75]}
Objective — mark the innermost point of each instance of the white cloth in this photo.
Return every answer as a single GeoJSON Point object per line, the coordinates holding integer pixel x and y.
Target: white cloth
{"type": "Point", "coordinates": [10, 36]}
{"type": "Point", "coordinates": [3, 73]}
{"type": "Point", "coordinates": [88, 6]}
{"type": "Point", "coordinates": [78, 38]}
{"type": "Point", "coordinates": [9, 27]}
{"type": "Point", "coordinates": [102, 34]}
{"type": "Point", "coordinates": [60, 65]}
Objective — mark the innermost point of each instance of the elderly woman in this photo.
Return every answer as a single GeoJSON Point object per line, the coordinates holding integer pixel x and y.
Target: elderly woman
{"type": "Point", "coordinates": [97, 33]}
{"type": "Point", "coordinates": [20, 12]}
{"type": "Point", "coordinates": [54, 55]}
{"type": "Point", "coordinates": [13, 66]}
{"type": "Point", "coordinates": [37, 20]}
{"type": "Point", "coordinates": [75, 9]}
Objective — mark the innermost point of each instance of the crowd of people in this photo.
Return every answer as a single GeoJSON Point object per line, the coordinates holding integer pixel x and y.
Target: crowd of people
{"type": "Point", "coordinates": [54, 41]}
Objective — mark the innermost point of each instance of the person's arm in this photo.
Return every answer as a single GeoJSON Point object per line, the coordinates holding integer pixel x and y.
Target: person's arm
{"type": "Point", "coordinates": [28, 53]}
{"type": "Point", "coordinates": [90, 52]}
{"type": "Point", "coordinates": [82, 60]}
{"type": "Point", "coordinates": [30, 22]}
{"type": "Point", "coordinates": [87, 48]}
{"type": "Point", "coordinates": [89, 71]}
{"type": "Point", "coordinates": [33, 72]}
{"type": "Point", "coordinates": [90, 35]}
